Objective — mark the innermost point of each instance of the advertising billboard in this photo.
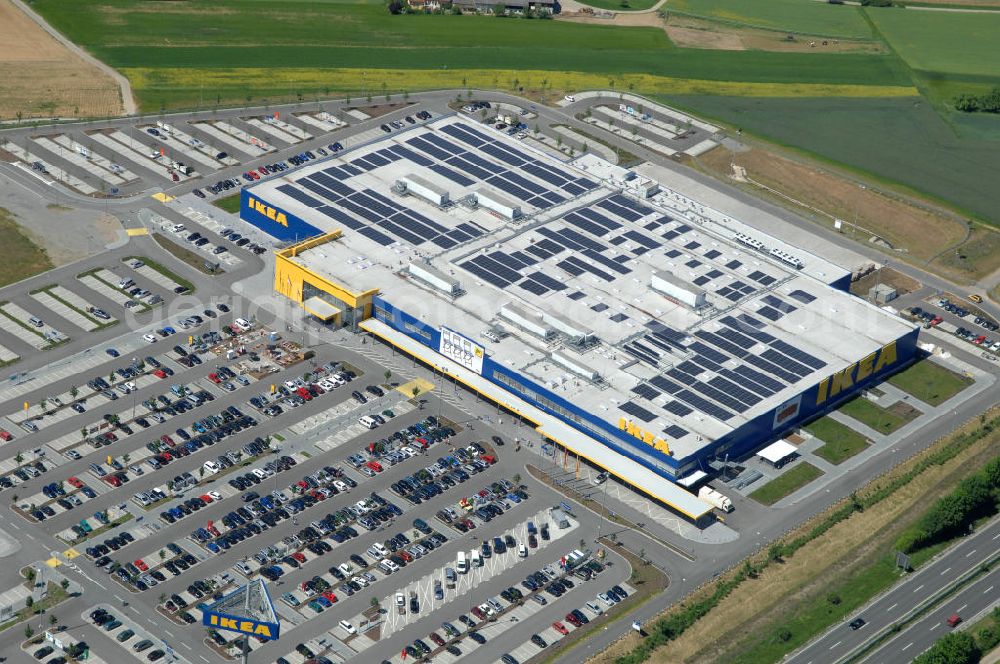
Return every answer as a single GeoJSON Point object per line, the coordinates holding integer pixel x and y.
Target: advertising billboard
{"type": "Point", "coordinates": [273, 220]}
{"type": "Point", "coordinates": [461, 349]}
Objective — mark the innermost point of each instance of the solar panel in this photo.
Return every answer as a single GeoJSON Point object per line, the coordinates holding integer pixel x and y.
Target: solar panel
{"type": "Point", "coordinates": [771, 368]}
{"type": "Point", "coordinates": [400, 232]}
{"type": "Point", "coordinates": [785, 362]}
{"type": "Point", "coordinates": [693, 263]}
{"type": "Point", "coordinates": [548, 281]}
{"type": "Point", "coordinates": [646, 391]}
{"type": "Point", "coordinates": [767, 280]}
{"type": "Point", "coordinates": [570, 267]}
{"type": "Point", "coordinates": [599, 218]}
{"type": "Point", "coordinates": [761, 379]}
{"type": "Point", "coordinates": [294, 192]}
{"type": "Point", "coordinates": [443, 143]}
{"type": "Point", "coordinates": [640, 355]}
{"type": "Point", "coordinates": [429, 148]}
{"type": "Point", "coordinates": [339, 216]}
{"type": "Point", "coordinates": [599, 307]}
{"type": "Point", "coordinates": [712, 254]}
{"type": "Point", "coordinates": [733, 264]}
{"type": "Point", "coordinates": [802, 296]}
{"type": "Point", "coordinates": [585, 224]}
{"type": "Point", "coordinates": [351, 170]}
{"type": "Point", "coordinates": [618, 318]}
{"type": "Point", "coordinates": [486, 275]}
{"type": "Point", "coordinates": [376, 236]}
{"type": "Point", "coordinates": [769, 313]}
{"type": "Point", "coordinates": [523, 257]}
{"type": "Point", "coordinates": [470, 229]}
{"type": "Point", "coordinates": [533, 287]}
{"type": "Point", "coordinates": [461, 134]}
{"type": "Point", "coordinates": [647, 242]}
{"type": "Point", "coordinates": [497, 268]}
{"type": "Point", "coordinates": [471, 169]}
{"type": "Point", "coordinates": [673, 253]}
{"type": "Point", "coordinates": [798, 354]}
{"type": "Point", "coordinates": [733, 349]}
{"type": "Point", "coordinates": [501, 257]}
{"type": "Point", "coordinates": [494, 151]}
{"type": "Point", "coordinates": [452, 175]}
{"type": "Point", "coordinates": [572, 189]}
{"type": "Point", "coordinates": [444, 241]}
{"type": "Point", "coordinates": [701, 281]}
{"type": "Point", "coordinates": [675, 431]}
{"type": "Point", "coordinates": [377, 159]}
{"type": "Point", "coordinates": [677, 408]}
{"type": "Point", "coordinates": [692, 245]}
{"type": "Point", "coordinates": [589, 268]}
{"type": "Point", "coordinates": [687, 366]}
{"type": "Point", "coordinates": [576, 295]}
{"type": "Point", "coordinates": [544, 174]}
{"type": "Point", "coordinates": [735, 390]}
{"type": "Point", "coordinates": [637, 411]}
{"type": "Point", "coordinates": [720, 397]}
{"type": "Point", "coordinates": [704, 405]}
{"type": "Point", "coordinates": [667, 386]}
{"type": "Point", "coordinates": [606, 262]}
{"type": "Point", "coordinates": [406, 153]}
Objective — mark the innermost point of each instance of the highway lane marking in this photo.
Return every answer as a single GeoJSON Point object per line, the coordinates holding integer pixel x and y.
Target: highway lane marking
{"type": "Point", "coordinates": [970, 553]}
{"type": "Point", "coordinates": [185, 645]}
{"type": "Point", "coordinates": [202, 658]}
{"type": "Point", "coordinates": [893, 606]}
{"type": "Point", "coordinates": [917, 589]}
{"type": "Point", "coordinates": [17, 527]}
{"type": "Point", "coordinates": [988, 590]}
{"type": "Point", "coordinates": [835, 645]}
{"type": "Point", "coordinates": [961, 608]}
{"type": "Point", "coordinates": [946, 571]}
{"type": "Point", "coordinates": [997, 536]}
{"type": "Point", "coordinates": [170, 633]}
{"type": "Point", "coordinates": [935, 626]}
{"type": "Point", "coordinates": [907, 646]}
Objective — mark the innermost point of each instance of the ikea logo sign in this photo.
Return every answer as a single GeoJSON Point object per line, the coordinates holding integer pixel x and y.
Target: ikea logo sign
{"type": "Point", "coordinates": [856, 373]}
{"type": "Point", "coordinates": [261, 208]}
{"type": "Point", "coordinates": [656, 443]}
{"type": "Point", "coordinates": [254, 628]}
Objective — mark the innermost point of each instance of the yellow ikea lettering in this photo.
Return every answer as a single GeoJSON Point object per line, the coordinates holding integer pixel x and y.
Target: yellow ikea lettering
{"type": "Point", "coordinates": [842, 380]}
{"type": "Point", "coordinates": [857, 372]}
{"type": "Point", "coordinates": [262, 630]}
{"type": "Point", "coordinates": [645, 436]}
{"type": "Point", "coordinates": [886, 357]}
{"type": "Point", "coordinates": [865, 368]}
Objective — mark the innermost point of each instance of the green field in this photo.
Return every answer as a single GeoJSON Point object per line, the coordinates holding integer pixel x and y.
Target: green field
{"type": "Point", "coordinates": [621, 5]}
{"type": "Point", "coordinates": [897, 140]}
{"type": "Point", "coordinates": [797, 16]}
{"type": "Point", "coordinates": [228, 203]}
{"type": "Point", "coordinates": [930, 382]}
{"type": "Point", "coordinates": [786, 483]}
{"type": "Point", "coordinates": [840, 442]}
{"type": "Point", "coordinates": [955, 43]}
{"type": "Point", "coordinates": [345, 35]}
{"type": "Point", "coordinates": [22, 257]}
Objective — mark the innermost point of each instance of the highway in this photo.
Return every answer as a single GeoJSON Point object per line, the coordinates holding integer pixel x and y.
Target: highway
{"type": "Point", "coordinates": [841, 641]}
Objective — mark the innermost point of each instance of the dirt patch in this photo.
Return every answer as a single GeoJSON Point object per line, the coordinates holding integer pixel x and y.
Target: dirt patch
{"type": "Point", "coordinates": [691, 32]}
{"type": "Point", "coordinates": [695, 38]}
{"type": "Point", "coordinates": [39, 77]}
{"type": "Point", "coordinates": [978, 257]}
{"type": "Point", "coordinates": [886, 275]}
{"type": "Point", "coordinates": [378, 110]}
{"type": "Point", "coordinates": [904, 410]}
{"type": "Point", "coordinates": [915, 232]}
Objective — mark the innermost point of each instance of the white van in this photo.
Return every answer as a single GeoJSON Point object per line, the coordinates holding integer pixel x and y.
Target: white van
{"type": "Point", "coordinates": [367, 421]}
{"type": "Point", "coordinates": [212, 467]}
{"type": "Point", "coordinates": [477, 558]}
{"type": "Point", "coordinates": [462, 564]}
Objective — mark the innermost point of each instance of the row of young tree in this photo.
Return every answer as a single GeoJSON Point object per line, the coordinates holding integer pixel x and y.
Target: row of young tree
{"type": "Point", "coordinates": [988, 102]}
{"type": "Point", "coordinates": [953, 514]}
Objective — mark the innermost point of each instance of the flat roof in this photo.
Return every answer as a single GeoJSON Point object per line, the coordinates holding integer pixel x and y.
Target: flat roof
{"type": "Point", "coordinates": [580, 260]}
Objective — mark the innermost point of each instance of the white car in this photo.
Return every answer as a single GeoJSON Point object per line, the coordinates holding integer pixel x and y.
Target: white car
{"type": "Point", "coordinates": [212, 467]}
{"type": "Point", "coordinates": [347, 627]}
{"type": "Point", "coordinates": [570, 98]}
{"type": "Point", "coordinates": [327, 385]}
{"type": "Point", "coordinates": [215, 495]}
{"type": "Point", "coordinates": [242, 324]}
{"type": "Point", "coordinates": [604, 597]}
{"type": "Point", "coordinates": [595, 607]}
{"type": "Point", "coordinates": [361, 581]}
{"type": "Point", "coordinates": [149, 338]}
{"type": "Point", "coordinates": [342, 487]}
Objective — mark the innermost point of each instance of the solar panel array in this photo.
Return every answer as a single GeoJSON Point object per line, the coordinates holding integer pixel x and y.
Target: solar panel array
{"type": "Point", "coordinates": [725, 372]}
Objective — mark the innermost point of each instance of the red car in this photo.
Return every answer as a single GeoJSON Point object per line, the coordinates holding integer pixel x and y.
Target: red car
{"type": "Point", "coordinates": [330, 597]}
{"type": "Point", "coordinates": [113, 480]}
{"type": "Point", "coordinates": [143, 567]}
{"type": "Point", "coordinates": [214, 377]}
{"type": "Point", "coordinates": [573, 620]}
{"type": "Point", "coordinates": [936, 320]}
{"type": "Point", "coordinates": [160, 373]}
{"type": "Point", "coordinates": [299, 557]}
{"type": "Point", "coordinates": [436, 638]}
{"type": "Point", "coordinates": [489, 458]}
{"type": "Point", "coordinates": [477, 612]}
{"type": "Point", "coordinates": [208, 499]}
{"type": "Point", "coordinates": [167, 440]}
{"type": "Point", "coordinates": [304, 393]}
{"type": "Point", "coordinates": [375, 465]}
{"type": "Point", "coordinates": [559, 627]}
{"type": "Point", "coordinates": [75, 482]}
{"type": "Point", "coordinates": [405, 556]}
{"type": "Point", "coordinates": [262, 171]}
{"type": "Point", "coordinates": [5, 435]}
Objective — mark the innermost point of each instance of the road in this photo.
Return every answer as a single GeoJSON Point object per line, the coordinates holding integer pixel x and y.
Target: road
{"type": "Point", "coordinates": [890, 607]}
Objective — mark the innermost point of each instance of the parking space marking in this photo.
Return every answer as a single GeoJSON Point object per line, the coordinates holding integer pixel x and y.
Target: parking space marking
{"type": "Point", "coordinates": [60, 174]}
{"type": "Point", "coordinates": [65, 311]}
{"type": "Point", "coordinates": [124, 174]}
{"type": "Point", "coordinates": [232, 142]}
{"type": "Point", "coordinates": [42, 339]}
{"type": "Point", "coordinates": [273, 131]}
{"type": "Point", "coordinates": [72, 154]}
{"type": "Point", "coordinates": [246, 136]}
{"type": "Point", "coordinates": [206, 151]}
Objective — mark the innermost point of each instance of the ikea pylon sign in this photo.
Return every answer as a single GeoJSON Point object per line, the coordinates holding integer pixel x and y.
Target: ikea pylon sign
{"type": "Point", "coordinates": [266, 630]}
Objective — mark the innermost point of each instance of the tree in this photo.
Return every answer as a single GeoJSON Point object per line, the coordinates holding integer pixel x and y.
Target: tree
{"type": "Point", "coordinates": [388, 375]}
{"type": "Point", "coordinates": [83, 432]}
{"type": "Point", "coordinates": [53, 619]}
{"type": "Point", "coordinates": [73, 391]}
{"type": "Point", "coordinates": [28, 632]}
{"type": "Point", "coordinates": [395, 7]}
{"type": "Point", "coordinates": [30, 575]}
{"type": "Point", "coordinates": [29, 601]}
{"type": "Point", "coordinates": [953, 648]}
{"type": "Point", "coordinates": [64, 584]}
{"type": "Point", "coordinates": [774, 552]}
{"type": "Point", "coordinates": [499, 9]}
{"type": "Point", "coordinates": [18, 458]}
{"type": "Point", "coordinates": [374, 602]}
{"type": "Point", "coordinates": [516, 479]}
{"type": "Point", "coordinates": [126, 458]}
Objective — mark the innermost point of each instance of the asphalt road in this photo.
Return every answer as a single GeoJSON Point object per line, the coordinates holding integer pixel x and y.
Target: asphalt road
{"type": "Point", "coordinates": [893, 605]}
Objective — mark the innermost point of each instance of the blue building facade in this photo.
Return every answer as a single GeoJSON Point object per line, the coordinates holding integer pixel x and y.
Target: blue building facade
{"type": "Point", "coordinates": [815, 400]}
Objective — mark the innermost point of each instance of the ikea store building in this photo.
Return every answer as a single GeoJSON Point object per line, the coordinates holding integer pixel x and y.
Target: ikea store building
{"type": "Point", "coordinates": [631, 325]}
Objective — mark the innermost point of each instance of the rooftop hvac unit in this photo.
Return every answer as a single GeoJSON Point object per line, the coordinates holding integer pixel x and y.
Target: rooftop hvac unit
{"type": "Point", "coordinates": [470, 201]}
{"type": "Point", "coordinates": [435, 278]}
{"type": "Point", "coordinates": [399, 187]}
{"type": "Point", "coordinates": [528, 321]}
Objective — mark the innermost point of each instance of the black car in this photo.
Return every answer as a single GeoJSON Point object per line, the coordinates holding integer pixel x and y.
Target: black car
{"type": "Point", "coordinates": [857, 623]}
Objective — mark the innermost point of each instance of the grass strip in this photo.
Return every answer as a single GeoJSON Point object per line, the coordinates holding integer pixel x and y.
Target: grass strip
{"type": "Point", "coordinates": [56, 595]}
{"type": "Point", "coordinates": [625, 158]}
{"type": "Point", "coordinates": [103, 529]}
{"type": "Point", "coordinates": [787, 483]}
{"type": "Point", "coordinates": [872, 415]}
{"type": "Point", "coordinates": [100, 325]}
{"type": "Point", "coordinates": [22, 257]}
{"type": "Point", "coordinates": [186, 256]}
{"type": "Point", "coordinates": [230, 204]}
